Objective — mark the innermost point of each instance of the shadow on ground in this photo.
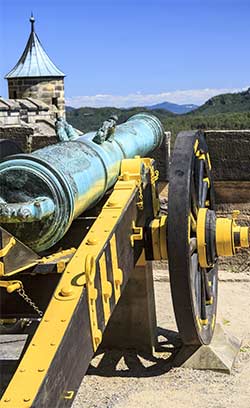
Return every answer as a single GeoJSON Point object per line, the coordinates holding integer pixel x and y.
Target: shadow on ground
{"type": "Point", "coordinates": [136, 363]}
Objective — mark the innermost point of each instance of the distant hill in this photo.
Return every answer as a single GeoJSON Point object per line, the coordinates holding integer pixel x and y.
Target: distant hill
{"type": "Point", "coordinates": [228, 111]}
{"type": "Point", "coordinates": [87, 119]}
{"type": "Point", "coordinates": [69, 108]}
{"type": "Point", "coordinates": [174, 107]}
{"type": "Point", "coordinates": [225, 103]}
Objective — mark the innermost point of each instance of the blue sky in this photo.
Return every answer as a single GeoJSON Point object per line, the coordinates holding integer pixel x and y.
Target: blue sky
{"type": "Point", "coordinates": [123, 52]}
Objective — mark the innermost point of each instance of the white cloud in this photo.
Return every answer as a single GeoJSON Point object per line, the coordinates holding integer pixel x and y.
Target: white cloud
{"type": "Point", "coordinates": [190, 96]}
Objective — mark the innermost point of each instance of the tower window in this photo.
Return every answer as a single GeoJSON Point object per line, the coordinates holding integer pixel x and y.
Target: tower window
{"type": "Point", "coordinates": [55, 102]}
{"type": "Point", "coordinates": [14, 95]}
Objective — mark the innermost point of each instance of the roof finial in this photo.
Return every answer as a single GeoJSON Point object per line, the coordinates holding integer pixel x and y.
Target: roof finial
{"type": "Point", "coordinates": [32, 20]}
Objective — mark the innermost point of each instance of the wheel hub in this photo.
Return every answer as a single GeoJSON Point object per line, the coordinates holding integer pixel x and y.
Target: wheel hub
{"type": "Point", "coordinates": [218, 237]}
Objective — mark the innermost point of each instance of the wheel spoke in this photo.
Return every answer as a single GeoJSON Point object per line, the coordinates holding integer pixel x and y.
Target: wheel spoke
{"type": "Point", "coordinates": [193, 222]}
{"type": "Point", "coordinates": [208, 286]}
{"type": "Point", "coordinates": [195, 282]}
{"type": "Point", "coordinates": [204, 194]}
{"type": "Point", "coordinates": [194, 202]}
{"type": "Point", "coordinates": [203, 296]}
{"type": "Point", "coordinates": [192, 245]}
{"type": "Point", "coordinates": [200, 180]}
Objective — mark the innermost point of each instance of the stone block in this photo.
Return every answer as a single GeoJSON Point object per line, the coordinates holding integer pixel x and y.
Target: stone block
{"type": "Point", "coordinates": [230, 154]}
{"type": "Point", "coordinates": [162, 158]}
{"type": "Point", "coordinates": [12, 120]}
{"type": "Point", "coordinates": [232, 191]}
{"type": "Point", "coordinates": [45, 95]}
{"type": "Point", "coordinates": [39, 104]}
{"type": "Point", "coordinates": [3, 114]}
{"type": "Point", "coordinates": [219, 355]}
{"type": "Point", "coordinates": [28, 105]}
{"type": "Point", "coordinates": [12, 104]}
{"type": "Point", "coordinates": [33, 89]}
{"type": "Point", "coordinates": [47, 88]}
{"type": "Point", "coordinates": [16, 133]}
{"type": "Point", "coordinates": [3, 105]}
{"type": "Point", "coordinates": [14, 113]}
{"type": "Point", "coordinates": [230, 158]}
{"type": "Point", "coordinates": [31, 119]}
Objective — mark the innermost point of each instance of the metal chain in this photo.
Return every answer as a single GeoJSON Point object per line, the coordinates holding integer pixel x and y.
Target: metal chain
{"type": "Point", "coordinates": [154, 175]}
{"type": "Point", "coordinates": [27, 299]}
{"type": "Point", "coordinates": [140, 194]}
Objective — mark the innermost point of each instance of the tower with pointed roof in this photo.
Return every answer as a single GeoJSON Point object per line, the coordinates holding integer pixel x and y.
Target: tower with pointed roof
{"type": "Point", "coordinates": [36, 76]}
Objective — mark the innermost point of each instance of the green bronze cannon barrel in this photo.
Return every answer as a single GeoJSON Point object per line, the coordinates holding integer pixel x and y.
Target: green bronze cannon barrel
{"type": "Point", "coordinates": [42, 192]}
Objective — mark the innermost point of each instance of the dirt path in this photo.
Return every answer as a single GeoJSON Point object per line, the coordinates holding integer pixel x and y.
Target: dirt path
{"type": "Point", "coordinates": [129, 380]}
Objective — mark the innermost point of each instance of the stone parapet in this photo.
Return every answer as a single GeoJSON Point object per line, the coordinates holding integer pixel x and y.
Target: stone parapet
{"type": "Point", "coordinates": [18, 134]}
{"type": "Point", "coordinates": [28, 122]}
{"type": "Point", "coordinates": [230, 154]}
{"type": "Point", "coordinates": [29, 137]}
{"type": "Point", "coordinates": [230, 157]}
{"type": "Point", "coordinates": [14, 111]}
{"type": "Point", "coordinates": [162, 158]}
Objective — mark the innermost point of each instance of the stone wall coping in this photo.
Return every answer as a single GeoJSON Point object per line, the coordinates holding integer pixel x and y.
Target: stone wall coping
{"type": "Point", "coordinates": [225, 131]}
{"type": "Point", "coordinates": [27, 104]}
{"type": "Point", "coordinates": [20, 125]}
{"type": "Point", "coordinates": [47, 122]}
{"type": "Point", "coordinates": [31, 104]}
{"type": "Point", "coordinates": [11, 104]}
{"type": "Point", "coordinates": [3, 106]}
{"type": "Point", "coordinates": [41, 105]}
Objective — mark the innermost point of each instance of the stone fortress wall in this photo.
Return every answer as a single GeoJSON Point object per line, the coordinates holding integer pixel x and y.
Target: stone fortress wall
{"type": "Point", "coordinates": [230, 157]}
{"type": "Point", "coordinates": [29, 122]}
{"type": "Point", "coordinates": [48, 90]}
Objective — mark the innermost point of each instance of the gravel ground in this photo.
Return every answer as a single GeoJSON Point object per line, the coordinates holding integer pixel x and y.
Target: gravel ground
{"type": "Point", "coordinates": [128, 380]}
{"type": "Point", "coordinates": [119, 379]}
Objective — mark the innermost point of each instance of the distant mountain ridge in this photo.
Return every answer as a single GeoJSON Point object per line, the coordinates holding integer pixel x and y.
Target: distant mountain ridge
{"type": "Point", "coordinates": [69, 108]}
{"type": "Point", "coordinates": [167, 106]}
{"type": "Point", "coordinates": [225, 103]}
{"type": "Point", "coordinates": [174, 107]}
{"type": "Point", "coordinates": [88, 119]}
{"type": "Point", "coordinates": [229, 111]}
{"type": "Point", "coordinates": [226, 111]}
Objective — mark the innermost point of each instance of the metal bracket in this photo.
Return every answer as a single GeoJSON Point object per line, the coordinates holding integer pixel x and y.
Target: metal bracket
{"type": "Point", "coordinates": [137, 234]}
{"type": "Point", "coordinates": [154, 176]}
{"type": "Point", "coordinates": [11, 286]}
{"type": "Point", "coordinates": [92, 292]}
{"type": "Point", "coordinates": [158, 241]}
{"type": "Point", "coordinates": [4, 251]}
{"type": "Point", "coordinates": [69, 395]}
{"type": "Point", "coordinates": [7, 248]}
{"type": "Point", "coordinates": [61, 259]}
{"type": "Point", "coordinates": [106, 288]}
{"type": "Point", "coordinates": [117, 272]}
